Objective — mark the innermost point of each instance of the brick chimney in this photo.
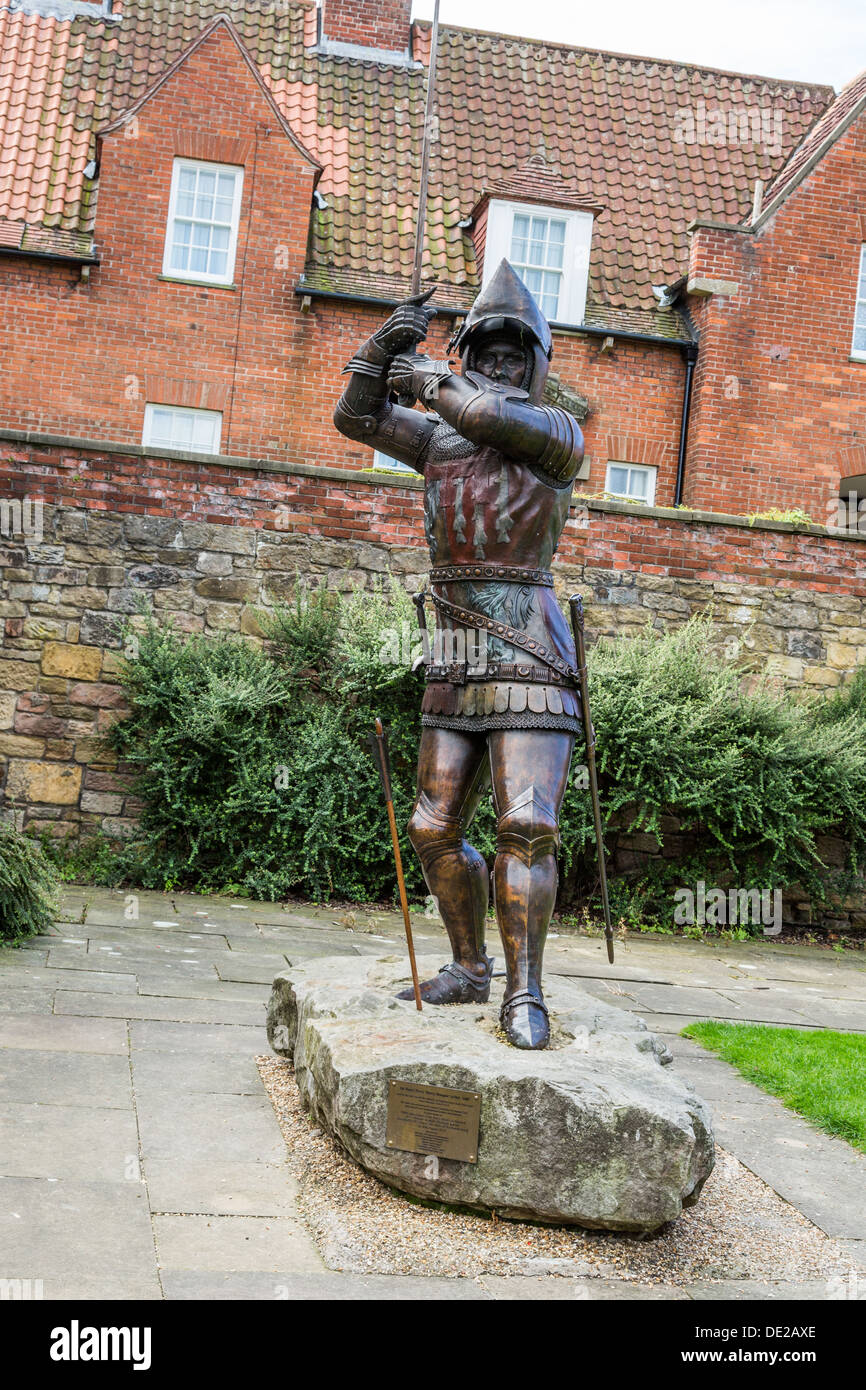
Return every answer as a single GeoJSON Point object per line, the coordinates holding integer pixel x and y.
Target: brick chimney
{"type": "Point", "coordinates": [375, 24]}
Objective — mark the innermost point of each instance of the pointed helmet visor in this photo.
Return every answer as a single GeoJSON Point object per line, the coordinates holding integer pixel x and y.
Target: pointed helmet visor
{"type": "Point", "coordinates": [505, 304]}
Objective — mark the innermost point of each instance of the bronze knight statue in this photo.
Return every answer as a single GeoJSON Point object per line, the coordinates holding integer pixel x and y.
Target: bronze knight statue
{"type": "Point", "coordinates": [499, 467]}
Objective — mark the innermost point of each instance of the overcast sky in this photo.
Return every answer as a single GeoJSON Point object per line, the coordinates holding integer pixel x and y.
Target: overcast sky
{"type": "Point", "coordinates": [810, 40]}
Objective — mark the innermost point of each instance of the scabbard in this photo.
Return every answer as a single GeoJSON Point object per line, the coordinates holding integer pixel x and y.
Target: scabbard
{"type": "Point", "coordinates": [575, 605]}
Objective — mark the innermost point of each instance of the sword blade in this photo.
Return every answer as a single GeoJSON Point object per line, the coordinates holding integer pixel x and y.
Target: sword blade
{"type": "Point", "coordinates": [421, 223]}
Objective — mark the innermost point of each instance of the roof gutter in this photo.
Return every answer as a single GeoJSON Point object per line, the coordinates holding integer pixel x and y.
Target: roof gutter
{"type": "Point", "coordinates": [59, 257]}
{"type": "Point", "coordinates": [349, 297]}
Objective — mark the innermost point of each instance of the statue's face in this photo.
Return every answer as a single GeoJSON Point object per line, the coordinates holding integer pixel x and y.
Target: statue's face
{"type": "Point", "coordinates": [502, 360]}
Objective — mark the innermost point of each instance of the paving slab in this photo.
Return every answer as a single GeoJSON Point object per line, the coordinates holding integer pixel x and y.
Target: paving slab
{"type": "Point", "coordinates": [48, 1032]}
{"type": "Point", "coordinates": [201, 1128]}
{"type": "Point", "coordinates": [191, 976]}
{"type": "Point", "coordinates": [848, 1016]}
{"type": "Point", "coordinates": [291, 1287]}
{"type": "Point", "coordinates": [181, 1037]}
{"type": "Point", "coordinates": [44, 977]}
{"type": "Point", "coordinates": [14, 1000]}
{"type": "Point", "coordinates": [255, 946]}
{"type": "Point", "coordinates": [82, 1239]}
{"type": "Point", "coordinates": [13, 956]}
{"type": "Point", "coordinates": [695, 1003]}
{"type": "Point", "coordinates": [753, 1291]}
{"type": "Point", "coordinates": [857, 1250]}
{"type": "Point", "coordinates": [250, 970]}
{"type": "Point", "coordinates": [156, 1006]}
{"type": "Point", "coordinates": [675, 1023]}
{"type": "Point", "coordinates": [219, 1244]}
{"type": "Point", "coordinates": [559, 1289]}
{"type": "Point", "coordinates": [105, 939]}
{"type": "Point", "coordinates": [220, 1188]}
{"type": "Point", "coordinates": [824, 1177]}
{"type": "Point", "coordinates": [180, 986]}
{"type": "Point", "coordinates": [65, 1078]}
{"type": "Point", "coordinates": [166, 1073]}
{"type": "Point", "coordinates": [67, 1141]}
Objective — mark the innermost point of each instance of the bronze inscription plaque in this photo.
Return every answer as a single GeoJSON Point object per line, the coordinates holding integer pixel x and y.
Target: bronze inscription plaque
{"type": "Point", "coordinates": [433, 1120]}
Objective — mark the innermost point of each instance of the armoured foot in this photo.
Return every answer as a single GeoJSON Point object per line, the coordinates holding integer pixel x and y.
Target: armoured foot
{"type": "Point", "coordinates": [455, 985]}
{"type": "Point", "coordinates": [525, 1020]}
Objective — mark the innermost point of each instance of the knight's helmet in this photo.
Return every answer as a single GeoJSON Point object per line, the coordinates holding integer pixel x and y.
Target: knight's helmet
{"type": "Point", "coordinates": [505, 306]}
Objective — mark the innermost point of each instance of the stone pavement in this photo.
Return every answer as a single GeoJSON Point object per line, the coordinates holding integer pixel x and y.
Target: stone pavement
{"type": "Point", "coordinates": [141, 1157]}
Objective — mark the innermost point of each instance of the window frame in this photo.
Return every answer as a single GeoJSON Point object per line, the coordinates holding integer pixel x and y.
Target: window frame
{"type": "Point", "coordinates": [575, 259]}
{"type": "Point", "coordinates": [651, 472]}
{"type": "Point", "coordinates": [859, 354]}
{"type": "Point", "coordinates": [384, 463]}
{"type": "Point", "coordinates": [200, 277]}
{"type": "Point", "coordinates": [149, 443]}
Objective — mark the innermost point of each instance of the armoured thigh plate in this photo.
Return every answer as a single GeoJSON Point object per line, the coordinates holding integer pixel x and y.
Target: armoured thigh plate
{"type": "Point", "coordinates": [492, 526]}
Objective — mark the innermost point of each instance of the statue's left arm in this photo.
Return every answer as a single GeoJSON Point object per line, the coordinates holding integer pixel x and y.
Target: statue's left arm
{"type": "Point", "coordinates": [499, 417]}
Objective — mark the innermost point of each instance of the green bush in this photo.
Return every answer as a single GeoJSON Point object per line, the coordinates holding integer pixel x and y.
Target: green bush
{"type": "Point", "coordinates": [255, 771]}
{"type": "Point", "coordinates": [753, 772]}
{"type": "Point", "coordinates": [253, 763]}
{"type": "Point", "coordinates": [28, 885]}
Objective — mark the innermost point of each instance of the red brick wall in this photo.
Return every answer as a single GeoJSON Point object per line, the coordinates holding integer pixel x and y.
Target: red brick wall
{"type": "Point", "coordinates": [373, 23]}
{"type": "Point", "coordinates": [391, 513]}
{"type": "Point", "coordinates": [780, 411]}
{"type": "Point", "coordinates": [88, 355]}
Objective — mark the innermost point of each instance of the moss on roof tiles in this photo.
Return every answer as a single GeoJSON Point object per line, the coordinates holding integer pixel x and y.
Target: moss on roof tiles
{"type": "Point", "coordinates": [501, 99]}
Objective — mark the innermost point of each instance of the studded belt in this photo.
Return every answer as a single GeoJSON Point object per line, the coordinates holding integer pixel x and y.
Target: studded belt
{"type": "Point", "coordinates": [516, 574]}
{"type": "Point", "coordinates": [467, 617]}
{"type": "Point", "coordinates": [459, 672]}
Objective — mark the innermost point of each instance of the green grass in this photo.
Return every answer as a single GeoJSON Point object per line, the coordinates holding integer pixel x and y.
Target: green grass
{"type": "Point", "coordinates": [821, 1074]}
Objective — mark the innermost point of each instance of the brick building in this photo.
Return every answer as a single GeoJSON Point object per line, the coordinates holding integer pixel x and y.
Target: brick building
{"type": "Point", "coordinates": [204, 207]}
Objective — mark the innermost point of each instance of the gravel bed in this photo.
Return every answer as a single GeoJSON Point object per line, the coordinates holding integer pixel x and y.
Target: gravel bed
{"type": "Point", "coordinates": [740, 1228]}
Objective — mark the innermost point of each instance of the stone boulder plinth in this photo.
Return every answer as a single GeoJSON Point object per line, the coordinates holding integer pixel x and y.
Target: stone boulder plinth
{"type": "Point", "coordinates": [594, 1131]}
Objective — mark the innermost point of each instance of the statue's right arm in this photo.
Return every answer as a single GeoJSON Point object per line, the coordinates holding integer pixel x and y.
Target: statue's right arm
{"type": "Point", "coordinates": [365, 411]}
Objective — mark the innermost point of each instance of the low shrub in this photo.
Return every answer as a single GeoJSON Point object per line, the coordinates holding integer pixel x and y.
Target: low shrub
{"type": "Point", "coordinates": [28, 887]}
{"type": "Point", "coordinates": [253, 763]}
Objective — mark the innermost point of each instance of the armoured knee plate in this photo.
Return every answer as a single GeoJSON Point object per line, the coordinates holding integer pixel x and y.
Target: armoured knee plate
{"type": "Point", "coordinates": [527, 827]}
{"type": "Point", "coordinates": [433, 833]}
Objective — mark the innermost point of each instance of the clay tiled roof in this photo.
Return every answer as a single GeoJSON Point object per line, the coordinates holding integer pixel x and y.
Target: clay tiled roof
{"type": "Point", "coordinates": [538, 181]}
{"type": "Point", "coordinates": [601, 125]}
{"type": "Point", "coordinates": [829, 127]}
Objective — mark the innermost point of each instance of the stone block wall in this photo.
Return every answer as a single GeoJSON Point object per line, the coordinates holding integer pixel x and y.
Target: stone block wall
{"type": "Point", "coordinates": [209, 542]}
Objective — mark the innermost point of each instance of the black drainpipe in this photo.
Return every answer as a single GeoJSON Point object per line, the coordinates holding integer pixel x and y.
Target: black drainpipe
{"type": "Point", "coordinates": [691, 356]}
